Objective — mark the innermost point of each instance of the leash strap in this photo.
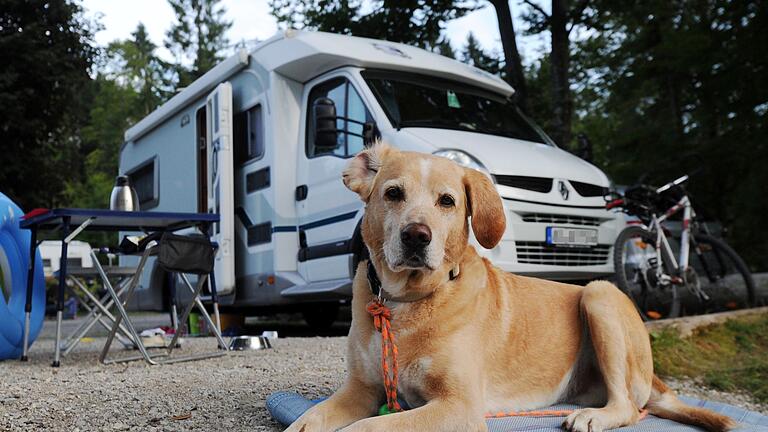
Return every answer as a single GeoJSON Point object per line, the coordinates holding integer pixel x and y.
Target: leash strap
{"type": "Point", "coordinates": [545, 413]}
{"type": "Point", "coordinates": [381, 320]}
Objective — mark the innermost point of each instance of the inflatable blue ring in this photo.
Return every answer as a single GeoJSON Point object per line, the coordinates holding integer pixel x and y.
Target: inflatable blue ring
{"type": "Point", "coordinates": [14, 260]}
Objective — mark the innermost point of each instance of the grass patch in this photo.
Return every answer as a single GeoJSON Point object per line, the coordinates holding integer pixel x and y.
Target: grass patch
{"type": "Point", "coordinates": [728, 356]}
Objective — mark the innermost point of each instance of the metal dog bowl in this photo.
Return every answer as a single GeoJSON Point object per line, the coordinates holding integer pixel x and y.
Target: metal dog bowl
{"type": "Point", "coordinates": [242, 343]}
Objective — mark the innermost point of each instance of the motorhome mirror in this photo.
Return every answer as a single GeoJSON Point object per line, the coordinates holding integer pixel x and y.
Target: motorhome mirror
{"type": "Point", "coordinates": [324, 111]}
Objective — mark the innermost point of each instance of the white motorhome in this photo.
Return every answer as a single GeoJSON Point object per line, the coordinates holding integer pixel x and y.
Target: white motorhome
{"type": "Point", "coordinates": [250, 140]}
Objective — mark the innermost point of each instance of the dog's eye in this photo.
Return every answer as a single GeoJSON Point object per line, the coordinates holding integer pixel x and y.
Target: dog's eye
{"type": "Point", "coordinates": [447, 201]}
{"type": "Point", "coordinates": [394, 193]}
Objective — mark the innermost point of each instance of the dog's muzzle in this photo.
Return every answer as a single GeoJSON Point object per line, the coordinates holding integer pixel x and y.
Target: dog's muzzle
{"type": "Point", "coordinates": [415, 238]}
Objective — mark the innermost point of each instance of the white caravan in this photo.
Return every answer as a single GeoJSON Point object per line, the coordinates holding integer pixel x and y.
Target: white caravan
{"type": "Point", "coordinates": [263, 137]}
{"type": "Point", "coordinates": [78, 255]}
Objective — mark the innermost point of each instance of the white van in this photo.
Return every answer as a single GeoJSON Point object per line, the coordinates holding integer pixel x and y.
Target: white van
{"type": "Point", "coordinates": [242, 141]}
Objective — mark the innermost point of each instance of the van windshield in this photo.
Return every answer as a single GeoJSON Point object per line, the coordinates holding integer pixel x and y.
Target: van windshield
{"type": "Point", "coordinates": [417, 101]}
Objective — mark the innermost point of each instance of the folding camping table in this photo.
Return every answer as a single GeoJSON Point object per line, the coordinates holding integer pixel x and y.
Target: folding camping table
{"type": "Point", "coordinates": [62, 220]}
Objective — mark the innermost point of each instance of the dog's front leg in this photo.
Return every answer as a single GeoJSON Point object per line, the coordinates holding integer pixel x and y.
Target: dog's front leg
{"type": "Point", "coordinates": [353, 401]}
{"type": "Point", "coordinates": [437, 415]}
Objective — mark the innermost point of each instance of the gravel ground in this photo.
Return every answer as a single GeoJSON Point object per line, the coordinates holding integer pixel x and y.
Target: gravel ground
{"type": "Point", "coordinates": [694, 388]}
{"type": "Point", "coordinates": [225, 393]}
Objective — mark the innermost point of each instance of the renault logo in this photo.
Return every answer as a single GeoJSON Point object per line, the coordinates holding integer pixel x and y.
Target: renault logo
{"type": "Point", "coordinates": [563, 189]}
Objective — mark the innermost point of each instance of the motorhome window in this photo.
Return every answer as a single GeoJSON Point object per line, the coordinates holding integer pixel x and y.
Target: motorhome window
{"type": "Point", "coordinates": [434, 103]}
{"type": "Point", "coordinates": [248, 130]}
{"type": "Point", "coordinates": [143, 180]}
{"type": "Point", "coordinates": [255, 133]}
{"type": "Point", "coordinates": [352, 115]}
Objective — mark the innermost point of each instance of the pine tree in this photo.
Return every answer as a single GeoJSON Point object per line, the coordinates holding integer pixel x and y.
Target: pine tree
{"type": "Point", "coordinates": [135, 63]}
{"type": "Point", "coordinates": [475, 55]}
{"type": "Point", "coordinates": [198, 36]}
{"type": "Point", "coordinates": [46, 56]}
{"type": "Point", "coordinates": [414, 22]}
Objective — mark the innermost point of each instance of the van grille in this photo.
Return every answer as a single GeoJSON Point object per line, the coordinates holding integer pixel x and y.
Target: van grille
{"type": "Point", "coordinates": [542, 253]}
{"type": "Point", "coordinates": [588, 189]}
{"type": "Point", "coordinates": [536, 184]}
{"type": "Point", "coordinates": [561, 219]}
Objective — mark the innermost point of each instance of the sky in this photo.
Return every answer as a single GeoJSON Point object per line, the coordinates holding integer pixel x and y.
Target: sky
{"type": "Point", "coordinates": [252, 20]}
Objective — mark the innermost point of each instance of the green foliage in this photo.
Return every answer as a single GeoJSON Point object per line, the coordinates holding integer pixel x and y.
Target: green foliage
{"type": "Point", "coordinates": [540, 99]}
{"type": "Point", "coordinates": [475, 55]}
{"type": "Point", "coordinates": [114, 108]}
{"type": "Point", "coordinates": [444, 49]}
{"type": "Point", "coordinates": [134, 64]}
{"type": "Point", "coordinates": [414, 22]}
{"type": "Point", "coordinates": [665, 80]}
{"type": "Point", "coordinates": [730, 356]}
{"type": "Point", "coordinates": [198, 35]}
{"type": "Point", "coordinates": [46, 53]}
{"type": "Point", "coordinates": [131, 84]}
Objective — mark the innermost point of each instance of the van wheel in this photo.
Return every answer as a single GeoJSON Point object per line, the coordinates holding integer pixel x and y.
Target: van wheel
{"type": "Point", "coordinates": [321, 316]}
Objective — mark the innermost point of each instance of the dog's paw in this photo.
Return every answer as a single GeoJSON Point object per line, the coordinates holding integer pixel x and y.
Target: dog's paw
{"type": "Point", "coordinates": [584, 420]}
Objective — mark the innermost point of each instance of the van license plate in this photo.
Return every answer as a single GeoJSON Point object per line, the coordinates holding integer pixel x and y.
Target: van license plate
{"type": "Point", "coordinates": [571, 236]}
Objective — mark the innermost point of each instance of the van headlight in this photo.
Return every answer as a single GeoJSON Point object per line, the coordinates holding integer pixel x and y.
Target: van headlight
{"type": "Point", "coordinates": [464, 159]}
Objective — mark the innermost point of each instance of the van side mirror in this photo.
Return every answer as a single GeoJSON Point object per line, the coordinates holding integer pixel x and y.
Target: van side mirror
{"type": "Point", "coordinates": [324, 118]}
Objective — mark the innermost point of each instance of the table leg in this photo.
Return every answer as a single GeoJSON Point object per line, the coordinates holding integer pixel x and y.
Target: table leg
{"type": "Point", "coordinates": [215, 300]}
{"type": "Point", "coordinates": [96, 316]}
{"type": "Point", "coordinates": [30, 287]}
{"type": "Point", "coordinates": [123, 315]}
{"type": "Point", "coordinates": [172, 301]}
{"type": "Point", "coordinates": [214, 295]}
{"type": "Point", "coordinates": [188, 309]}
{"type": "Point", "coordinates": [60, 294]}
{"type": "Point", "coordinates": [196, 300]}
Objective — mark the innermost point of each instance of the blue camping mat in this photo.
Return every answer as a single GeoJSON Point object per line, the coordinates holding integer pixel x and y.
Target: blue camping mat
{"type": "Point", "coordinates": [286, 407]}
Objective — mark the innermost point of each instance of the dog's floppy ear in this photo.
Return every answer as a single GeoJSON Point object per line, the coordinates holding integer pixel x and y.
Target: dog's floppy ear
{"type": "Point", "coordinates": [485, 207]}
{"type": "Point", "coordinates": [362, 169]}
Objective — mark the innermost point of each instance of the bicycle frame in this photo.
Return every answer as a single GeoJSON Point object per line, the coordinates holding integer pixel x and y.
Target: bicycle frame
{"type": "Point", "coordinates": [663, 249]}
{"type": "Point", "coordinates": [682, 263]}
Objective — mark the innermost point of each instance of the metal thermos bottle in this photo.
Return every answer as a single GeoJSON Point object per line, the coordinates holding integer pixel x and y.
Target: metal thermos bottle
{"type": "Point", "coordinates": [124, 197]}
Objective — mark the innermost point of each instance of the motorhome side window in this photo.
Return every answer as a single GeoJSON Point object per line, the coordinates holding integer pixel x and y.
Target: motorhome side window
{"type": "Point", "coordinates": [249, 135]}
{"type": "Point", "coordinates": [143, 180]}
{"type": "Point", "coordinates": [352, 115]}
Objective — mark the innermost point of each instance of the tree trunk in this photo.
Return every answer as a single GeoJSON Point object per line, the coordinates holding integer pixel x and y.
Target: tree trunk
{"type": "Point", "coordinates": [560, 63]}
{"type": "Point", "coordinates": [513, 65]}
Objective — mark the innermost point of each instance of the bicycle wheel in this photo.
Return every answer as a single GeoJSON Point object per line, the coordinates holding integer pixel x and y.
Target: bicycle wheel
{"type": "Point", "coordinates": [636, 264]}
{"type": "Point", "coordinates": [723, 276]}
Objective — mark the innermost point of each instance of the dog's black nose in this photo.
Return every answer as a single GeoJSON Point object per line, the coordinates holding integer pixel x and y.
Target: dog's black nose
{"type": "Point", "coordinates": [416, 236]}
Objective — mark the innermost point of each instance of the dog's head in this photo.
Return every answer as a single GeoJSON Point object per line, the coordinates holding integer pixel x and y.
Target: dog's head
{"type": "Point", "coordinates": [418, 205]}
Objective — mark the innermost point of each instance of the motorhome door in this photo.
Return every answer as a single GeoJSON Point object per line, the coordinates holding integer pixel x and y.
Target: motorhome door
{"type": "Point", "coordinates": [220, 183]}
{"type": "Point", "coordinates": [328, 212]}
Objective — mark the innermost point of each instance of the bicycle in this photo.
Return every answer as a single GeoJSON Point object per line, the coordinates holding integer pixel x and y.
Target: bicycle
{"type": "Point", "coordinates": [647, 269]}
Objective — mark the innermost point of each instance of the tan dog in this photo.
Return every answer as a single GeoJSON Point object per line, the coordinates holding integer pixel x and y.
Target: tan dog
{"type": "Point", "coordinates": [485, 340]}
